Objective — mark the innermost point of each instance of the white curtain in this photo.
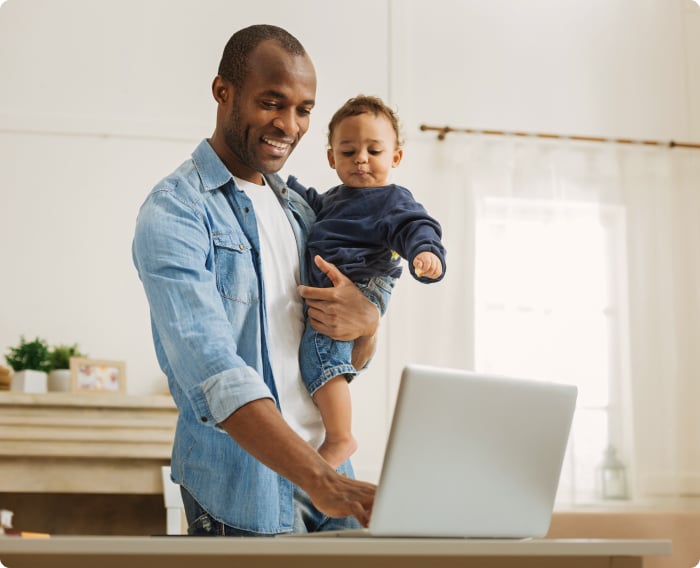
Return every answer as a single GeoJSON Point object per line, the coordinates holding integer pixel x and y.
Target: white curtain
{"type": "Point", "coordinates": [569, 261]}
{"type": "Point", "coordinates": [662, 196]}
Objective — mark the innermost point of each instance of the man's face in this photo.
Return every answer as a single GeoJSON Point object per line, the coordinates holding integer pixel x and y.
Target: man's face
{"type": "Point", "coordinates": [265, 119]}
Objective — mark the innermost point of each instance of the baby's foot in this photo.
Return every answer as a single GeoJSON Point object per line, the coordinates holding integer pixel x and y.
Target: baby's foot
{"type": "Point", "coordinates": [335, 452]}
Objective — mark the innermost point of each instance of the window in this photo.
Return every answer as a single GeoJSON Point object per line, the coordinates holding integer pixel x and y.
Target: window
{"type": "Point", "coordinates": [550, 304]}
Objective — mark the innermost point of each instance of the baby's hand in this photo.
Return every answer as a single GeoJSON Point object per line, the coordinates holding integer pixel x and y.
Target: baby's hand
{"type": "Point", "coordinates": [427, 265]}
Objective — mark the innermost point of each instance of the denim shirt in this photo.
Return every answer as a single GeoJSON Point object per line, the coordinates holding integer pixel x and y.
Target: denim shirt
{"type": "Point", "coordinates": [197, 253]}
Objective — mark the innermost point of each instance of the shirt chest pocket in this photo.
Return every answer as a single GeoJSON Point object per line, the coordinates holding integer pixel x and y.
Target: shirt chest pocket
{"type": "Point", "coordinates": [235, 268]}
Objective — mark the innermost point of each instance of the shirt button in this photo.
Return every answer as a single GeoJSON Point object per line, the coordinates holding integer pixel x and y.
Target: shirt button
{"type": "Point", "coordinates": [241, 246]}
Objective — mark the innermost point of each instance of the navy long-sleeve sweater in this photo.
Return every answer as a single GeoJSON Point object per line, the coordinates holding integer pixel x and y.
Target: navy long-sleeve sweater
{"type": "Point", "coordinates": [357, 229]}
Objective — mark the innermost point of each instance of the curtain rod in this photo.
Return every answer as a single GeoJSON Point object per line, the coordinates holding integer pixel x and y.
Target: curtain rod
{"type": "Point", "coordinates": [444, 130]}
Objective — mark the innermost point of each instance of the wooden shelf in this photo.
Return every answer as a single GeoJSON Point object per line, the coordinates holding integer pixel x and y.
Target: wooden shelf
{"type": "Point", "coordinates": [84, 443]}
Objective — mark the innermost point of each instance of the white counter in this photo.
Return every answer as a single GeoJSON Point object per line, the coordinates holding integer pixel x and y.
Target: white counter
{"type": "Point", "coordinates": [181, 552]}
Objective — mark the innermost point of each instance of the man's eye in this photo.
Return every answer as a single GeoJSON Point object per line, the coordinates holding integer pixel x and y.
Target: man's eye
{"type": "Point", "coordinates": [270, 104]}
{"type": "Point", "coordinates": [305, 111]}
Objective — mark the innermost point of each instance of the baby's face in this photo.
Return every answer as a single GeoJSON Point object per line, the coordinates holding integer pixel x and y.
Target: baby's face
{"type": "Point", "coordinates": [364, 150]}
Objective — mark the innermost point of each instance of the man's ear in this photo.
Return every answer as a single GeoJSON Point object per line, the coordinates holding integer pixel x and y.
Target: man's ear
{"type": "Point", "coordinates": [221, 89]}
{"type": "Point", "coordinates": [331, 158]}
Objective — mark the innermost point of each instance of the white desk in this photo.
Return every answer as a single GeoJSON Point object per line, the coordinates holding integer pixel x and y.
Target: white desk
{"type": "Point", "coordinates": [186, 552]}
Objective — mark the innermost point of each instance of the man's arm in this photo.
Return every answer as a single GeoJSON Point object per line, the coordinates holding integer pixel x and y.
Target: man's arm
{"type": "Point", "coordinates": [343, 312]}
{"type": "Point", "coordinates": [260, 429]}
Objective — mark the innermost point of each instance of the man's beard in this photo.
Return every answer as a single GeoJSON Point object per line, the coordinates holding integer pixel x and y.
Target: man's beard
{"type": "Point", "coordinates": [238, 141]}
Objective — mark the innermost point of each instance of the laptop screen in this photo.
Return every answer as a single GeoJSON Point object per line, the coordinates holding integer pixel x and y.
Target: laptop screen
{"type": "Point", "coordinates": [472, 455]}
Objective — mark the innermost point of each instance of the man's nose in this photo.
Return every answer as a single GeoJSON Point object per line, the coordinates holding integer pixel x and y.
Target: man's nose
{"type": "Point", "coordinates": [287, 123]}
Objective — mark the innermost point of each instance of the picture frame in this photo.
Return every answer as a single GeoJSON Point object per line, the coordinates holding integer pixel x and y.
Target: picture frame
{"type": "Point", "coordinates": [97, 376]}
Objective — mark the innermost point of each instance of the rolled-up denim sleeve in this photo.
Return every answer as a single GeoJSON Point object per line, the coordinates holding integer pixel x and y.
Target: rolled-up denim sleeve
{"type": "Point", "coordinates": [217, 397]}
{"type": "Point", "coordinates": [174, 259]}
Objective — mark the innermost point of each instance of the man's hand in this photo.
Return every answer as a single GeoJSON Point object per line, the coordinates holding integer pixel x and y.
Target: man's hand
{"type": "Point", "coordinates": [340, 496]}
{"type": "Point", "coordinates": [341, 312]}
{"type": "Point", "coordinates": [259, 428]}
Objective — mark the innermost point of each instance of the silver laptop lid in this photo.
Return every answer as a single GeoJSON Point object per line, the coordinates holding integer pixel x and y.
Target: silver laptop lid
{"type": "Point", "coordinates": [472, 455]}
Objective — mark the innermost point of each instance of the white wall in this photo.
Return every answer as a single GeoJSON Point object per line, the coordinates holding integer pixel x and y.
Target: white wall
{"type": "Point", "coordinates": [595, 67]}
{"type": "Point", "coordinates": [99, 99]}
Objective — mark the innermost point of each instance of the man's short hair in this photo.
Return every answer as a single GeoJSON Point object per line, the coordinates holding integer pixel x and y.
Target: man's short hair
{"type": "Point", "coordinates": [234, 65]}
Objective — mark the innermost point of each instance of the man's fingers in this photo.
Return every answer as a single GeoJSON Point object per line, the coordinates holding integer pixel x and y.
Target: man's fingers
{"type": "Point", "coordinates": [362, 515]}
{"type": "Point", "coordinates": [330, 270]}
{"type": "Point", "coordinates": [336, 277]}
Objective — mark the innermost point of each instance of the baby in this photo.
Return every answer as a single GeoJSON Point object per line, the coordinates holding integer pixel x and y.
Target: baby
{"type": "Point", "coordinates": [363, 226]}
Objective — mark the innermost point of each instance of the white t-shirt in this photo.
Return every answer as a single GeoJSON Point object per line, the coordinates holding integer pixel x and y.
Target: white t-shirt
{"type": "Point", "coordinates": [285, 310]}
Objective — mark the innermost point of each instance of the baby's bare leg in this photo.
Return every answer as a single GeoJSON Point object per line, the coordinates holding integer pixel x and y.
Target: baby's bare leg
{"type": "Point", "coordinates": [335, 405]}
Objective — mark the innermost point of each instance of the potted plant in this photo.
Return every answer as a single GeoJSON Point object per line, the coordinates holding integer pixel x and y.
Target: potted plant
{"type": "Point", "coordinates": [59, 366]}
{"type": "Point", "coordinates": [30, 361]}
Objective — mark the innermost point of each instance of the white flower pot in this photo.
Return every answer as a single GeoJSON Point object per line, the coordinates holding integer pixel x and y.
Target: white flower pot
{"type": "Point", "coordinates": [29, 381]}
{"type": "Point", "coordinates": [59, 380]}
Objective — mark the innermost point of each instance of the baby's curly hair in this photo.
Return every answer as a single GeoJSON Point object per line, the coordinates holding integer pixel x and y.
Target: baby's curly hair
{"type": "Point", "coordinates": [362, 104]}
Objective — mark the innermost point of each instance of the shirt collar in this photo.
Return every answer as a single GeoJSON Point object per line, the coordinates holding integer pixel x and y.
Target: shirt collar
{"type": "Point", "coordinates": [214, 174]}
{"type": "Point", "coordinates": [211, 169]}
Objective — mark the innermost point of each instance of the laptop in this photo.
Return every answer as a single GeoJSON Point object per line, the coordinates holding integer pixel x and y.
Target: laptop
{"type": "Point", "coordinates": [471, 455]}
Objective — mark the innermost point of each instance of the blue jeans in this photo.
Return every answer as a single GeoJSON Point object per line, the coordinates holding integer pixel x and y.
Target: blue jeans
{"type": "Point", "coordinates": [322, 358]}
{"type": "Point", "coordinates": [306, 519]}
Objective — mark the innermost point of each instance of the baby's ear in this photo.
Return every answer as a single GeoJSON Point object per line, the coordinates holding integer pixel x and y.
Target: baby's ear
{"type": "Point", "coordinates": [331, 158]}
{"type": "Point", "coordinates": [398, 154]}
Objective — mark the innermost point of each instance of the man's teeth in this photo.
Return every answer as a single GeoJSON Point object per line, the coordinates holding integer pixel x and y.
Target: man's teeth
{"type": "Point", "coordinates": [275, 143]}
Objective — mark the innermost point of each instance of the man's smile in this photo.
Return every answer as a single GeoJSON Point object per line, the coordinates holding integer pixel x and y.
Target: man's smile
{"type": "Point", "coordinates": [280, 147]}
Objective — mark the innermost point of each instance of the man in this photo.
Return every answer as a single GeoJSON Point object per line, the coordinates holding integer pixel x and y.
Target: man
{"type": "Point", "coordinates": [219, 248]}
